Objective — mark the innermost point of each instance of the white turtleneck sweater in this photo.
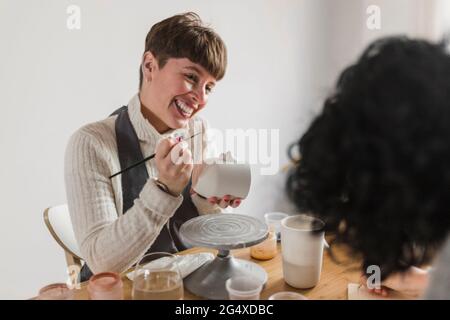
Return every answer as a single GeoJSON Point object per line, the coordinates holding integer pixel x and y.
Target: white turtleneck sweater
{"type": "Point", "coordinates": [109, 240]}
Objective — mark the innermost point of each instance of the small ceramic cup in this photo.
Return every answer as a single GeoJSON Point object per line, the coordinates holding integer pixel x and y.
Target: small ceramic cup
{"type": "Point", "coordinates": [56, 291]}
{"type": "Point", "coordinates": [287, 295]}
{"type": "Point", "coordinates": [243, 288]}
{"type": "Point", "coordinates": [105, 286]}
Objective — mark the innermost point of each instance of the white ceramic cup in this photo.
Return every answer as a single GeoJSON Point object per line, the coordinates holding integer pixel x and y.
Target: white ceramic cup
{"type": "Point", "coordinates": [287, 295]}
{"type": "Point", "coordinates": [219, 178]}
{"type": "Point", "coordinates": [302, 242]}
{"type": "Point", "coordinates": [273, 220]}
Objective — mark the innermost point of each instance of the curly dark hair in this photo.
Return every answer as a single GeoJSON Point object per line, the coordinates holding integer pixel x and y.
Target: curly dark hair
{"type": "Point", "coordinates": [375, 163]}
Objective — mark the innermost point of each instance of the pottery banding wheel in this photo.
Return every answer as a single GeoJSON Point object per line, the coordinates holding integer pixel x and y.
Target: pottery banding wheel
{"type": "Point", "coordinates": [223, 232]}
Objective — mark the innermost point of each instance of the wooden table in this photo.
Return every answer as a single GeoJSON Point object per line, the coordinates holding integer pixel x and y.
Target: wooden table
{"type": "Point", "coordinates": [332, 285]}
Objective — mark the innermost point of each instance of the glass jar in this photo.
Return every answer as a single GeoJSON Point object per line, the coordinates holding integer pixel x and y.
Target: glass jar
{"type": "Point", "coordinates": [105, 286]}
{"type": "Point", "coordinates": [157, 276]}
{"type": "Point", "coordinates": [267, 249]}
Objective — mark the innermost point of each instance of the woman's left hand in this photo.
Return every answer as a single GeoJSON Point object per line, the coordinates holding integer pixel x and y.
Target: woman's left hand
{"type": "Point", "coordinates": [227, 200]}
{"type": "Point", "coordinates": [412, 282]}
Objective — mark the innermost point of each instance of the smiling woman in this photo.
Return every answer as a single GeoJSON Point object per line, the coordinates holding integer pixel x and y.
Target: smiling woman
{"type": "Point", "coordinates": [186, 88]}
{"type": "Point", "coordinates": [182, 62]}
{"type": "Point", "coordinates": [118, 220]}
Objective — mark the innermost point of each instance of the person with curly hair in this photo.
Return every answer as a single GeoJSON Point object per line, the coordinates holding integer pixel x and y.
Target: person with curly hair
{"type": "Point", "coordinates": [374, 164]}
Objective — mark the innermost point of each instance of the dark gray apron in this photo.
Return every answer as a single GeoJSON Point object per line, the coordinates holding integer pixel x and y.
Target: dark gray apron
{"type": "Point", "coordinates": [134, 180]}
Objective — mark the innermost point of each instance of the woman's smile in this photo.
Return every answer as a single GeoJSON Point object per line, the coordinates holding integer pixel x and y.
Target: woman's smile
{"type": "Point", "coordinates": [182, 108]}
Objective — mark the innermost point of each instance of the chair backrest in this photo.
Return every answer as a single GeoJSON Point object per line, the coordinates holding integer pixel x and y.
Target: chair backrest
{"type": "Point", "coordinates": [57, 219]}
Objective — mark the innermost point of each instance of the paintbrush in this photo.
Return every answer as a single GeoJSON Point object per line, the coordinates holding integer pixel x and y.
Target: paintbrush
{"type": "Point", "coordinates": [145, 160]}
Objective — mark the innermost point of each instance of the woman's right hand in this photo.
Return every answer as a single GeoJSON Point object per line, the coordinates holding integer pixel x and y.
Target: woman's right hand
{"type": "Point", "coordinates": [174, 163]}
{"type": "Point", "coordinates": [412, 282]}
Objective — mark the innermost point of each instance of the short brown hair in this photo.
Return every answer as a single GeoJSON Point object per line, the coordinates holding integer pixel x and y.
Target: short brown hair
{"type": "Point", "coordinates": [185, 36]}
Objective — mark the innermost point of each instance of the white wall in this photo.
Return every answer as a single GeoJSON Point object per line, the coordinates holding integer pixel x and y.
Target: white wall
{"type": "Point", "coordinates": [349, 34]}
{"type": "Point", "coordinates": [283, 58]}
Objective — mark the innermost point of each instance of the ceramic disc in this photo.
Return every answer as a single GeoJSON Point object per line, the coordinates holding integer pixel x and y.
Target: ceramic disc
{"type": "Point", "coordinates": [223, 231]}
